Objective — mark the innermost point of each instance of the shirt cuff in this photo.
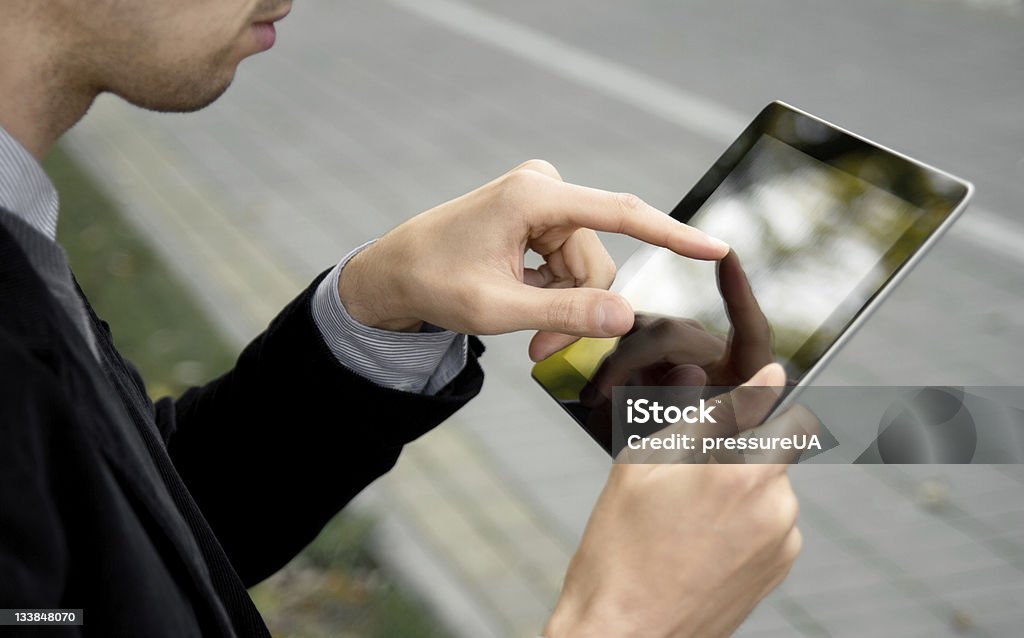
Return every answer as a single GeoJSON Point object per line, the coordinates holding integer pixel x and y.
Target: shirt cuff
{"type": "Point", "coordinates": [422, 362]}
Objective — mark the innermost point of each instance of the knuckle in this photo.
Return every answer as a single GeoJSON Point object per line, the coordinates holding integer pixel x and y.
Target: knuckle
{"type": "Point", "coordinates": [566, 313]}
{"type": "Point", "coordinates": [785, 556]}
{"type": "Point", "coordinates": [736, 479]}
{"type": "Point", "coordinates": [775, 510]}
{"type": "Point", "coordinates": [629, 204]}
{"type": "Point", "coordinates": [791, 546]}
{"type": "Point", "coordinates": [605, 275]}
{"type": "Point", "coordinates": [519, 185]}
{"type": "Point", "coordinates": [787, 508]}
{"type": "Point", "coordinates": [543, 167]}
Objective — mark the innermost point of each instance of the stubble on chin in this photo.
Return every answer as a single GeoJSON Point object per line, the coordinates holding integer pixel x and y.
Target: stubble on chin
{"type": "Point", "coordinates": [182, 88]}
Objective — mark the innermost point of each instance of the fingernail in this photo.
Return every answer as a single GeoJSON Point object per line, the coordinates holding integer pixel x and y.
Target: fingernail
{"type": "Point", "coordinates": [611, 317]}
{"type": "Point", "coordinates": [718, 244]}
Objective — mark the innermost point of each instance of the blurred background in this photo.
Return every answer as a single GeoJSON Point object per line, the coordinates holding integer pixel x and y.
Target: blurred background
{"type": "Point", "coordinates": [367, 113]}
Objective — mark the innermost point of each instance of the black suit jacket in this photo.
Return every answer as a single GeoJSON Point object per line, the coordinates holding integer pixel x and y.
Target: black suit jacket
{"type": "Point", "coordinates": [155, 518]}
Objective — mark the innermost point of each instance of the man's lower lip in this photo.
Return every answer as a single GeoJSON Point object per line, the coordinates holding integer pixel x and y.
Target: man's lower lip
{"type": "Point", "coordinates": [265, 33]}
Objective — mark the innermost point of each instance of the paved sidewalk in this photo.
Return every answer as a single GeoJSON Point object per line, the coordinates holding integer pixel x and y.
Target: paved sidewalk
{"type": "Point", "coordinates": [368, 113]}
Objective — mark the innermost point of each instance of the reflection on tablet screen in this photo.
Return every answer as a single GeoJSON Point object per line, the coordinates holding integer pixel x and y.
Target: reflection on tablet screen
{"type": "Point", "coordinates": [819, 221]}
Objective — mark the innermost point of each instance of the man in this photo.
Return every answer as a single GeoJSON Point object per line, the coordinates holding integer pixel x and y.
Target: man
{"type": "Point", "coordinates": [154, 518]}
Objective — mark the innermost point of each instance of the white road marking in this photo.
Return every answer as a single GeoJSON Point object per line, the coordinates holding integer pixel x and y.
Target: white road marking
{"type": "Point", "coordinates": [688, 110]}
{"type": "Point", "coordinates": [714, 122]}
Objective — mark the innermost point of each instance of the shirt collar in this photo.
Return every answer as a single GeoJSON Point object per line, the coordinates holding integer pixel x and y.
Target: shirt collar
{"type": "Point", "coordinates": [25, 189]}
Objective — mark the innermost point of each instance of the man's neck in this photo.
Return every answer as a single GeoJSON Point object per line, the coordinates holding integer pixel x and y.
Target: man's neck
{"type": "Point", "coordinates": [38, 102]}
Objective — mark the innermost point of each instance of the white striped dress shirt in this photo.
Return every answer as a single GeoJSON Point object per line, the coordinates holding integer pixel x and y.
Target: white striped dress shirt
{"type": "Point", "coordinates": [25, 188]}
{"type": "Point", "coordinates": [422, 361]}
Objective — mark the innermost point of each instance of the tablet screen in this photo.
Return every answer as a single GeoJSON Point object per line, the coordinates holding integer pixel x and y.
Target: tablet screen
{"type": "Point", "coordinates": [814, 242]}
{"type": "Point", "coordinates": [819, 221]}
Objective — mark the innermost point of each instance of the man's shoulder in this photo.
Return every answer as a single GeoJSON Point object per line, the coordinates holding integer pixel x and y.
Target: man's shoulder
{"type": "Point", "coordinates": [27, 325]}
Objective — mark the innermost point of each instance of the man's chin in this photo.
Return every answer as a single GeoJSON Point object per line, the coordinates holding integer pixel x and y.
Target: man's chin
{"type": "Point", "coordinates": [179, 99]}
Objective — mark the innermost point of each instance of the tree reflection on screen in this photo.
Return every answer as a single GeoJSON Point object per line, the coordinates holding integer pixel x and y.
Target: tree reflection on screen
{"type": "Point", "coordinates": [815, 242]}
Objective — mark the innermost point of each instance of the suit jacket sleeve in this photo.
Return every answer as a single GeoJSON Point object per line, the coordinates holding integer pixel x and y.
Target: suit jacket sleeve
{"type": "Point", "coordinates": [278, 445]}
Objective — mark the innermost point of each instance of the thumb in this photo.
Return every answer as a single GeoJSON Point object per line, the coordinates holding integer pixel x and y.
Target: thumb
{"type": "Point", "coordinates": [746, 406]}
{"type": "Point", "coordinates": [754, 400]}
{"type": "Point", "coordinates": [772, 375]}
{"type": "Point", "coordinates": [584, 312]}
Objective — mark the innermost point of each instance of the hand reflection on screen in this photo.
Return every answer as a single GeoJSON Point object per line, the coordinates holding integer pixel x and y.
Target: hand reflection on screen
{"type": "Point", "coordinates": [680, 352]}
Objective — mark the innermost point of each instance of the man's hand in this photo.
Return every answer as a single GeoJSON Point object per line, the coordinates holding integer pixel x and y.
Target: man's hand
{"type": "Point", "coordinates": [684, 550]}
{"type": "Point", "coordinates": [460, 265]}
{"type": "Point", "coordinates": [679, 550]}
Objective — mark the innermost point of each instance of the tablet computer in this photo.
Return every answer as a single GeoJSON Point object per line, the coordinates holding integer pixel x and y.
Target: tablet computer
{"type": "Point", "coordinates": [823, 224]}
